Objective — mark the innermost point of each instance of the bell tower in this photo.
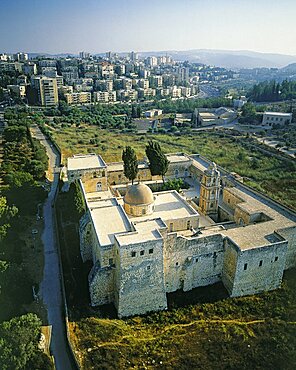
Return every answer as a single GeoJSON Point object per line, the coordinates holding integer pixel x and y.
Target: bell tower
{"type": "Point", "coordinates": [209, 190]}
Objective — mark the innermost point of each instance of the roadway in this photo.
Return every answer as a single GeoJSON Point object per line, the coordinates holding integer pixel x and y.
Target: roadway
{"type": "Point", "coordinates": [51, 288]}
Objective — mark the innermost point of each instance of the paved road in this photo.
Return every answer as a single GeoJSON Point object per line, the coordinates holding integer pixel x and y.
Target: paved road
{"type": "Point", "coordinates": [50, 289]}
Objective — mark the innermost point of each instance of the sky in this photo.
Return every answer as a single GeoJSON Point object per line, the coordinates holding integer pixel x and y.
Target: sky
{"type": "Point", "coordinates": [95, 26]}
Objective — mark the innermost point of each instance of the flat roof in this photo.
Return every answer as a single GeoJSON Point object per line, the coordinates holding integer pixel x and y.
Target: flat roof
{"type": "Point", "coordinates": [278, 114]}
{"type": "Point", "coordinates": [109, 220]}
{"type": "Point", "coordinates": [145, 231]}
{"type": "Point", "coordinates": [175, 158]}
{"type": "Point", "coordinates": [169, 205]}
{"type": "Point", "coordinates": [85, 161]}
{"type": "Point", "coordinates": [207, 115]}
{"type": "Point", "coordinates": [258, 234]}
{"type": "Point", "coordinates": [118, 166]}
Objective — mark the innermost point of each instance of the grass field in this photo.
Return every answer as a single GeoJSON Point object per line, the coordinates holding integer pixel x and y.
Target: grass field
{"type": "Point", "coordinates": [257, 331]}
{"type": "Point", "coordinates": [275, 177]}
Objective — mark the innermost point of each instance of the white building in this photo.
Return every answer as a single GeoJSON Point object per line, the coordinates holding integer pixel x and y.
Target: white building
{"type": "Point", "coordinates": [276, 118]}
{"type": "Point", "coordinates": [78, 98]}
{"type": "Point", "coordinates": [105, 96]}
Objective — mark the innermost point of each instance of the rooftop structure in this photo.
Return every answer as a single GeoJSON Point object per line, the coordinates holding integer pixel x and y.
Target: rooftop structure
{"type": "Point", "coordinates": [85, 161]}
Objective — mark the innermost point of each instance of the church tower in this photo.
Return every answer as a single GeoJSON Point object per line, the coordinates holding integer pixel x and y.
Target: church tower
{"type": "Point", "coordinates": [209, 191]}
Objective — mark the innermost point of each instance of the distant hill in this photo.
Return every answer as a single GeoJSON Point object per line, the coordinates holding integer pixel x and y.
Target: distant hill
{"type": "Point", "coordinates": [222, 58]}
{"type": "Point", "coordinates": [229, 59]}
{"type": "Point", "coordinates": [290, 68]}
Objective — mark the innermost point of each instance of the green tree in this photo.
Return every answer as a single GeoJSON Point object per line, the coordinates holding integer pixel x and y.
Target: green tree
{"type": "Point", "coordinates": [249, 115]}
{"type": "Point", "coordinates": [6, 213]}
{"type": "Point", "coordinates": [79, 200]}
{"type": "Point", "coordinates": [19, 338]}
{"type": "Point", "coordinates": [158, 162]}
{"type": "Point", "coordinates": [130, 163]}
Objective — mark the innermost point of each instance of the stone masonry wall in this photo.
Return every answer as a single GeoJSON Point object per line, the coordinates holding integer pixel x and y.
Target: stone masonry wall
{"type": "Point", "coordinates": [190, 263]}
{"type": "Point", "coordinates": [101, 285]}
{"type": "Point", "coordinates": [259, 269]}
{"type": "Point", "coordinates": [290, 235]}
{"type": "Point", "coordinates": [140, 284]}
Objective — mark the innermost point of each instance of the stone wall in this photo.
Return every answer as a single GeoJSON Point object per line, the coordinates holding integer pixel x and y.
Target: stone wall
{"type": "Point", "coordinates": [185, 223]}
{"type": "Point", "coordinates": [117, 177]}
{"type": "Point", "coordinates": [140, 282]}
{"type": "Point", "coordinates": [178, 170]}
{"type": "Point", "coordinates": [86, 237]}
{"type": "Point", "coordinates": [230, 199]}
{"type": "Point", "coordinates": [90, 178]}
{"type": "Point", "coordinates": [289, 234]}
{"type": "Point", "coordinates": [101, 285]}
{"type": "Point", "coordinates": [231, 251]}
{"type": "Point", "coordinates": [190, 263]}
{"type": "Point", "coordinates": [257, 270]}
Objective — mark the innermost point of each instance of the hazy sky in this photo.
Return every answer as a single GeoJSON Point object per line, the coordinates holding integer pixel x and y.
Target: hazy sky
{"type": "Point", "coordinates": [56, 26]}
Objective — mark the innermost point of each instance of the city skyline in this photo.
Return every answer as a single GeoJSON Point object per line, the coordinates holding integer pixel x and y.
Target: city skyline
{"type": "Point", "coordinates": [67, 27]}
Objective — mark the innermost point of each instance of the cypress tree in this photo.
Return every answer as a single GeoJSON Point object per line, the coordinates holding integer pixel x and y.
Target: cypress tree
{"type": "Point", "coordinates": [158, 162]}
{"type": "Point", "coordinates": [130, 163]}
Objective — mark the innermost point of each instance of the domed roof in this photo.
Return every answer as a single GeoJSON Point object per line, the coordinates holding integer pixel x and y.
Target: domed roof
{"type": "Point", "coordinates": [138, 194]}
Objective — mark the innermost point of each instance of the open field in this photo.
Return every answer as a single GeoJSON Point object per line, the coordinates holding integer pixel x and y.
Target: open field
{"type": "Point", "coordinates": [257, 331]}
{"type": "Point", "coordinates": [275, 177]}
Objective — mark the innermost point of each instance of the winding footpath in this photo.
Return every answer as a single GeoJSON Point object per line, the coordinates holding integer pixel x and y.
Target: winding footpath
{"type": "Point", "coordinates": [51, 289]}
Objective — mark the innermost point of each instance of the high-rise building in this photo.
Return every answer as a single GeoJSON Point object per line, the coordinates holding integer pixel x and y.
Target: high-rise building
{"type": "Point", "coordinates": [20, 57]}
{"type": "Point", "coordinates": [84, 55]}
{"type": "Point", "coordinates": [47, 90]}
{"type": "Point", "coordinates": [133, 56]}
{"type": "Point", "coordinates": [152, 61]}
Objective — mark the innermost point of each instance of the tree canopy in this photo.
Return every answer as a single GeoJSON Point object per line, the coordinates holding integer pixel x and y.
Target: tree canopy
{"type": "Point", "coordinates": [130, 163]}
{"type": "Point", "coordinates": [19, 341]}
{"type": "Point", "coordinates": [272, 91]}
{"type": "Point", "coordinates": [158, 162]}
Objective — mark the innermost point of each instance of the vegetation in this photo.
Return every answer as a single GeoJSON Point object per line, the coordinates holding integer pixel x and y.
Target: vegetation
{"type": "Point", "coordinates": [174, 184]}
{"type": "Point", "coordinates": [209, 333]}
{"type": "Point", "coordinates": [249, 115]}
{"type": "Point", "coordinates": [274, 176]}
{"type": "Point", "coordinates": [19, 341]}
{"type": "Point", "coordinates": [188, 105]}
{"type": "Point", "coordinates": [130, 163]}
{"type": "Point", "coordinates": [23, 165]}
{"type": "Point", "coordinates": [158, 162]}
{"type": "Point", "coordinates": [271, 91]}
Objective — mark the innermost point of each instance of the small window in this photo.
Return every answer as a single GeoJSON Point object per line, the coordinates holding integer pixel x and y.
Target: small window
{"type": "Point", "coordinates": [148, 267]}
{"type": "Point", "coordinates": [103, 174]}
{"type": "Point", "coordinates": [228, 200]}
{"type": "Point", "coordinates": [245, 266]}
{"type": "Point", "coordinates": [188, 225]}
{"type": "Point", "coordinates": [215, 254]}
{"type": "Point", "coordinates": [276, 258]}
{"type": "Point", "coordinates": [177, 263]}
{"type": "Point", "coordinates": [134, 254]}
{"type": "Point", "coordinates": [141, 253]}
{"type": "Point", "coordinates": [196, 259]}
{"type": "Point", "coordinates": [260, 263]}
{"type": "Point", "coordinates": [151, 251]}
{"type": "Point", "coordinates": [143, 211]}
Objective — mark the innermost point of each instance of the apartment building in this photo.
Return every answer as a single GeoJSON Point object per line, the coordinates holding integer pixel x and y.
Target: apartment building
{"type": "Point", "coordinates": [105, 96]}
{"type": "Point", "coordinates": [78, 98]}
